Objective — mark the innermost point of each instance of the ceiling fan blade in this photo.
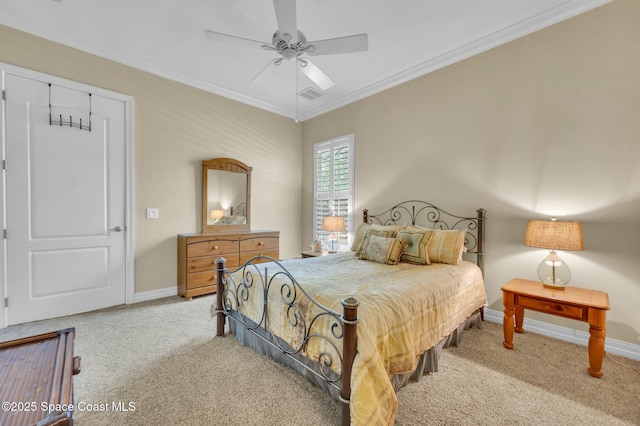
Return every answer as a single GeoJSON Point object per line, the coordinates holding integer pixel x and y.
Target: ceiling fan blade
{"type": "Point", "coordinates": [348, 44]}
{"type": "Point", "coordinates": [273, 61]}
{"type": "Point", "coordinates": [286, 17]}
{"type": "Point", "coordinates": [315, 74]}
{"type": "Point", "coordinates": [229, 39]}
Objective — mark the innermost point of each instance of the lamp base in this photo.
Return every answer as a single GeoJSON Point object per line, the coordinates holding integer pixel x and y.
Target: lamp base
{"type": "Point", "coordinates": [553, 272]}
{"type": "Point", "coordinates": [333, 243]}
{"type": "Point", "coordinates": [554, 287]}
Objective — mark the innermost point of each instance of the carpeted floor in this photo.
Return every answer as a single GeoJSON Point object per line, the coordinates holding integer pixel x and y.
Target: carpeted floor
{"type": "Point", "coordinates": [160, 359]}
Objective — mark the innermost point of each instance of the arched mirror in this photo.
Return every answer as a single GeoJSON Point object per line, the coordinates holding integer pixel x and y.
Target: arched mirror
{"type": "Point", "coordinates": [226, 195]}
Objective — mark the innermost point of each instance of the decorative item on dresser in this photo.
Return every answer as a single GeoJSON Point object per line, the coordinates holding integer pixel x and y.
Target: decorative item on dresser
{"type": "Point", "coordinates": [197, 254]}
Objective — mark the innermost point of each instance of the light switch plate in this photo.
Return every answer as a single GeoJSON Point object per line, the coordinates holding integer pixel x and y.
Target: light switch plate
{"type": "Point", "coordinates": [153, 214]}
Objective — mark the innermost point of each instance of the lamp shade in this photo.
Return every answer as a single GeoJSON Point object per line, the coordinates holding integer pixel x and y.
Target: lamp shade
{"type": "Point", "coordinates": [333, 223]}
{"type": "Point", "coordinates": [554, 235]}
{"type": "Point", "coordinates": [217, 214]}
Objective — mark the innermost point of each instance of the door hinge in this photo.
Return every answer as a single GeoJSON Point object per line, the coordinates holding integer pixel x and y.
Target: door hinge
{"type": "Point", "coordinates": [4, 164]}
{"type": "Point", "coordinates": [4, 95]}
{"type": "Point", "coordinates": [6, 302]}
{"type": "Point", "coordinates": [5, 234]}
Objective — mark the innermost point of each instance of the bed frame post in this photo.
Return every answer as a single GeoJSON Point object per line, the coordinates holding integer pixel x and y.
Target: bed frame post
{"type": "Point", "coordinates": [482, 217]}
{"type": "Point", "coordinates": [220, 290]}
{"type": "Point", "coordinates": [350, 339]}
{"type": "Point", "coordinates": [365, 216]}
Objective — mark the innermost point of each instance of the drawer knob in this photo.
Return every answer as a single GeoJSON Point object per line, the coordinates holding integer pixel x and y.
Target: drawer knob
{"type": "Point", "coordinates": [215, 247]}
{"type": "Point", "coordinates": [260, 243]}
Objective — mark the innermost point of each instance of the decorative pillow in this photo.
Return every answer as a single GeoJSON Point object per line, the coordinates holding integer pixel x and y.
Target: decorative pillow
{"type": "Point", "coordinates": [382, 249]}
{"type": "Point", "coordinates": [446, 246]}
{"type": "Point", "coordinates": [364, 227]}
{"type": "Point", "coordinates": [415, 250]}
{"type": "Point", "coordinates": [377, 232]}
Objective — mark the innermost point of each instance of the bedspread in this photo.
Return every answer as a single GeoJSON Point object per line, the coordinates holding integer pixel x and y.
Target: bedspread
{"type": "Point", "coordinates": [404, 310]}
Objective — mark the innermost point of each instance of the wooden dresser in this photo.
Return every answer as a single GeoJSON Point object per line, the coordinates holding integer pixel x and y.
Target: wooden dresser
{"type": "Point", "coordinates": [197, 254]}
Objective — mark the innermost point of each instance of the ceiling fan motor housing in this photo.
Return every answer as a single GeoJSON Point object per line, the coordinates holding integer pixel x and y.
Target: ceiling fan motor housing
{"type": "Point", "coordinates": [289, 50]}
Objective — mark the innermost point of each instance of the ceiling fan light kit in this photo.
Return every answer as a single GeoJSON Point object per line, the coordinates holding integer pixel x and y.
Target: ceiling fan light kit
{"type": "Point", "coordinates": [292, 49]}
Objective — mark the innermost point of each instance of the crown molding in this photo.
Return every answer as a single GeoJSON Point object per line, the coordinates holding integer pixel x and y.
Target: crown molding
{"type": "Point", "coordinates": [566, 10]}
{"type": "Point", "coordinates": [50, 34]}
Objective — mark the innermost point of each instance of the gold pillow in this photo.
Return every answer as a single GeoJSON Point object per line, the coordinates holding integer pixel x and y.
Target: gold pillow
{"type": "Point", "coordinates": [382, 249]}
{"type": "Point", "coordinates": [364, 227]}
{"type": "Point", "coordinates": [417, 240]}
{"type": "Point", "coordinates": [446, 246]}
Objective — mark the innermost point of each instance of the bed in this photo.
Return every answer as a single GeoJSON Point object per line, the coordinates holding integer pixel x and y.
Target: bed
{"type": "Point", "coordinates": [362, 324]}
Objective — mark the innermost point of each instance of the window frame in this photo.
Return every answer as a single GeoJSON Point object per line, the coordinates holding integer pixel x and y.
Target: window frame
{"type": "Point", "coordinates": [332, 194]}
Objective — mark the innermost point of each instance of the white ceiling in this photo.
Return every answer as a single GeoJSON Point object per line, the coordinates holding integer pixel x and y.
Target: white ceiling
{"type": "Point", "coordinates": [407, 39]}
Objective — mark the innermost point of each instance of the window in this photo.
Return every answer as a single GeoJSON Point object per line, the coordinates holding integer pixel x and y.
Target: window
{"type": "Point", "coordinates": [333, 186]}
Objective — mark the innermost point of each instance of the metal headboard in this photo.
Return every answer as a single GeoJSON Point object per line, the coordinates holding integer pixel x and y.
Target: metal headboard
{"type": "Point", "coordinates": [421, 213]}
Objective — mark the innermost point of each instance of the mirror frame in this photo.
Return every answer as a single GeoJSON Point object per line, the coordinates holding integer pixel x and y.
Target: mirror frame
{"type": "Point", "coordinates": [227, 165]}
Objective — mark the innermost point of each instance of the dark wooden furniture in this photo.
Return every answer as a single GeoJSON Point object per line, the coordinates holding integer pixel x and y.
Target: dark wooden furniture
{"type": "Point", "coordinates": [571, 302]}
{"type": "Point", "coordinates": [344, 328]}
{"type": "Point", "coordinates": [37, 379]}
{"type": "Point", "coordinates": [197, 254]}
{"type": "Point", "coordinates": [312, 253]}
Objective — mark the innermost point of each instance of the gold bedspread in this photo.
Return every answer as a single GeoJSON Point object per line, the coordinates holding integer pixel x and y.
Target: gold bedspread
{"type": "Point", "coordinates": [404, 310]}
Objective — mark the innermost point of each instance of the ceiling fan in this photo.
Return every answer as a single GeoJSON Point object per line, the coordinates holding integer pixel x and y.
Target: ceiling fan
{"type": "Point", "coordinates": [291, 44]}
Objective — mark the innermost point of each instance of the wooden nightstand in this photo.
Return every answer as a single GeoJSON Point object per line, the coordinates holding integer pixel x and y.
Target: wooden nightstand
{"type": "Point", "coordinates": [311, 253]}
{"type": "Point", "coordinates": [572, 302]}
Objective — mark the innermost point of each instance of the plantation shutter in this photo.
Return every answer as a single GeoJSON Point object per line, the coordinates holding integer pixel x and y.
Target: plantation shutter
{"type": "Point", "coordinates": [333, 185]}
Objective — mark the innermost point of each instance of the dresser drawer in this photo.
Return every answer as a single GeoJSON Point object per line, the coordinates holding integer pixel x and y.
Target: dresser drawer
{"type": "Point", "coordinates": [557, 308]}
{"type": "Point", "coordinates": [244, 257]}
{"type": "Point", "coordinates": [212, 248]}
{"type": "Point", "coordinates": [259, 243]}
{"type": "Point", "coordinates": [208, 263]}
{"type": "Point", "coordinates": [201, 279]}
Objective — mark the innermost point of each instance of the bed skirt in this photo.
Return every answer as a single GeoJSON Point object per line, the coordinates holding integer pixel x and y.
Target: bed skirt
{"type": "Point", "coordinates": [428, 362]}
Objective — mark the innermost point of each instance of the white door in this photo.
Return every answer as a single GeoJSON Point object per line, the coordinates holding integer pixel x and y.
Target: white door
{"type": "Point", "coordinates": [65, 201]}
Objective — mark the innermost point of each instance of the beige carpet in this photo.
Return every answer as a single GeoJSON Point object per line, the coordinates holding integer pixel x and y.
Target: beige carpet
{"type": "Point", "coordinates": [162, 357]}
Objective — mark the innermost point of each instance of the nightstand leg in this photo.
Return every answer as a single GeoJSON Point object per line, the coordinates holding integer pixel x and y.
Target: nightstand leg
{"type": "Point", "coordinates": [519, 319]}
{"type": "Point", "coordinates": [597, 332]}
{"type": "Point", "coordinates": [507, 322]}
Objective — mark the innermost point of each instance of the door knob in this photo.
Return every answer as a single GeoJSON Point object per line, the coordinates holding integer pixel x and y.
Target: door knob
{"type": "Point", "coordinates": [116, 229]}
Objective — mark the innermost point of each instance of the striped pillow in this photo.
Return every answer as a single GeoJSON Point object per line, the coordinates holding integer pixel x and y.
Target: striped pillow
{"type": "Point", "coordinates": [446, 246]}
{"type": "Point", "coordinates": [382, 249]}
{"type": "Point", "coordinates": [364, 229]}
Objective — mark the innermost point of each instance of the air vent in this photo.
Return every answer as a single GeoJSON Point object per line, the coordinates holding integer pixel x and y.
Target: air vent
{"type": "Point", "coordinates": [310, 93]}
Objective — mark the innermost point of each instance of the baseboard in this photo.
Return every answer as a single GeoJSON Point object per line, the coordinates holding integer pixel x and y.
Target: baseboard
{"type": "Point", "coordinates": [613, 346]}
{"type": "Point", "coordinates": [143, 296]}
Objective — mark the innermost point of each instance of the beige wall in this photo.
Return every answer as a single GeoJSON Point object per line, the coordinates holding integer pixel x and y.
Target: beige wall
{"type": "Point", "coordinates": [176, 127]}
{"type": "Point", "coordinates": [546, 125]}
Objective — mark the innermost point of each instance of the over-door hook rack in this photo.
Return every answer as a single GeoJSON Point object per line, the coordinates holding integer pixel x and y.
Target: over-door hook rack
{"type": "Point", "coordinates": [60, 122]}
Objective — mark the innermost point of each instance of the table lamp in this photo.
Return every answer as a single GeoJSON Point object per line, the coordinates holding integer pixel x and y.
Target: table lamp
{"type": "Point", "coordinates": [554, 235]}
{"type": "Point", "coordinates": [333, 224]}
{"type": "Point", "coordinates": [217, 214]}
